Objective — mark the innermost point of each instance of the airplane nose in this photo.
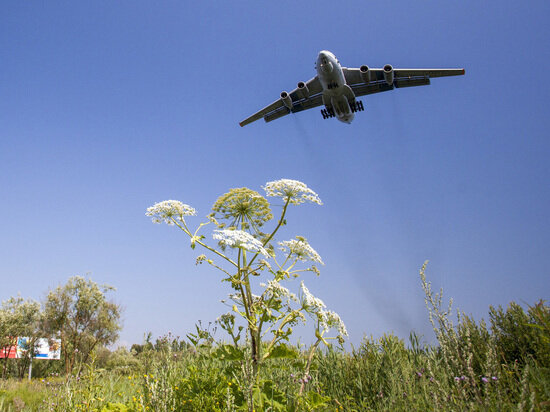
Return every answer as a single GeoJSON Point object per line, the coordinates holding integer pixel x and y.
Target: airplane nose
{"type": "Point", "coordinates": [322, 59]}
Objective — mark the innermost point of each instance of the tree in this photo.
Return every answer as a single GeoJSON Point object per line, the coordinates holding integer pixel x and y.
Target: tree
{"type": "Point", "coordinates": [82, 317]}
{"type": "Point", "coordinates": [18, 317]}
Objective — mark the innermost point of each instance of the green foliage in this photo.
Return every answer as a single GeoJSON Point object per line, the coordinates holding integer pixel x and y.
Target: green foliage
{"type": "Point", "coordinates": [268, 397]}
{"type": "Point", "coordinates": [380, 374]}
{"type": "Point", "coordinates": [519, 335]}
{"type": "Point", "coordinates": [479, 364]}
{"type": "Point", "coordinates": [115, 407]}
{"type": "Point", "coordinates": [283, 351]}
{"type": "Point", "coordinates": [19, 394]}
{"type": "Point", "coordinates": [229, 352]}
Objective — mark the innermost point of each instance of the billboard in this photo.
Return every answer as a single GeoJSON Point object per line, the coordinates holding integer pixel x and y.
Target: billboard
{"type": "Point", "coordinates": [47, 349]}
{"type": "Point", "coordinates": [44, 348]}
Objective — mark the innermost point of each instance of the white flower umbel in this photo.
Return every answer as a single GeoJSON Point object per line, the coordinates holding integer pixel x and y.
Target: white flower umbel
{"type": "Point", "coordinates": [275, 289]}
{"type": "Point", "coordinates": [327, 318]}
{"type": "Point", "coordinates": [239, 239]}
{"type": "Point", "coordinates": [294, 190]}
{"type": "Point", "coordinates": [301, 249]}
{"type": "Point", "coordinates": [309, 302]}
{"type": "Point", "coordinates": [238, 298]}
{"type": "Point", "coordinates": [331, 319]}
{"type": "Point", "coordinates": [167, 210]}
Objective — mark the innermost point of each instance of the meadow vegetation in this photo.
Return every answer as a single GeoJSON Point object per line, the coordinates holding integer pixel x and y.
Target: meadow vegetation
{"type": "Point", "coordinates": [502, 364]}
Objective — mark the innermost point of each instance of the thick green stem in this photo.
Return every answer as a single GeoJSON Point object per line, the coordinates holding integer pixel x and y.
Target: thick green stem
{"type": "Point", "coordinates": [252, 326]}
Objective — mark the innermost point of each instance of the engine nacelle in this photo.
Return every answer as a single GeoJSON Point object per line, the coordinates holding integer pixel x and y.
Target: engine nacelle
{"type": "Point", "coordinates": [287, 101]}
{"type": "Point", "coordinates": [365, 73]}
{"type": "Point", "coordinates": [303, 91]}
{"type": "Point", "coordinates": [388, 74]}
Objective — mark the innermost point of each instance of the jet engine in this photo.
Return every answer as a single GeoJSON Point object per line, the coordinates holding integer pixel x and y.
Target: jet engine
{"type": "Point", "coordinates": [388, 74]}
{"type": "Point", "coordinates": [303, 91]}
{"type": "Point", "coordinates": [365, 73]}
{"type": "Point", "coordinates": [287, 101]}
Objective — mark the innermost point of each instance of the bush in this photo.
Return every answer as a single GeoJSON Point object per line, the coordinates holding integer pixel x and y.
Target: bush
{"type": "Point", "coordinates": [519, 335]}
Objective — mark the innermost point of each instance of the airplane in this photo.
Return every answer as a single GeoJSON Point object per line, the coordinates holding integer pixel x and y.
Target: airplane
{"type": "Point", "coordinates": [337, 88]}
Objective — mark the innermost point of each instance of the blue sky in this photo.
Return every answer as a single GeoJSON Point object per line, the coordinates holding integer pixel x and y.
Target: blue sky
{"type": "Point", "coordinates": [108, 107]}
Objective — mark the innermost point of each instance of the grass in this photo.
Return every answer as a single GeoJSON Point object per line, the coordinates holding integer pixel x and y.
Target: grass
{"type": "Point", "coordinates": [381, 374]}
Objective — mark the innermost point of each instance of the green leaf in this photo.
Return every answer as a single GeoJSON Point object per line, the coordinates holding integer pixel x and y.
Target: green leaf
{"type": "Point", "coordinates": [268, 397]}
{"type": "Point", "coordinates": [315, 400]}
{"type": "Point", "coordinates": [115, 407]}
{"type": "Point", "coordinates": [229, 352]}
{"type": "Point", "coordinates": [283, 352]}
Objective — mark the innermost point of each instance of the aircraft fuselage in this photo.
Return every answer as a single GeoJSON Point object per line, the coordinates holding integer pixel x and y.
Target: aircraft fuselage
{"type": "Point", "coordinates": [337, 95]}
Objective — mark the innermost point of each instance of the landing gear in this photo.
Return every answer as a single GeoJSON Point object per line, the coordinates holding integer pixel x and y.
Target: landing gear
{"type": "Point", "coordinates": [327, 113]}
{"type": "Point", "coordinates": [357, 106]}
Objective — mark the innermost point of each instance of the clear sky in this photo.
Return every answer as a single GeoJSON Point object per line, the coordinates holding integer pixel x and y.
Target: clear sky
{"type": "Point", "coordinates": [109, 107]}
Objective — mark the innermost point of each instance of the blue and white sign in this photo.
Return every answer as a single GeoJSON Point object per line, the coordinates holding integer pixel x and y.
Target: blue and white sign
{"type": "Point", "coordinates": [44, 348]}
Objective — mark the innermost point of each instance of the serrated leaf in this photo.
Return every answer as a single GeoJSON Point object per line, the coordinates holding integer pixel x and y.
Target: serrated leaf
{"type": "Point", "coordinates": [229, 352]}
{"type": "Point", "coordinates": [315, 400]}
{"type": "Point", "coordinates": [283, 351]}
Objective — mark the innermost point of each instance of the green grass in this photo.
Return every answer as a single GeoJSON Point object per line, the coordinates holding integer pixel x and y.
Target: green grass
{"type": "Point", "coordinates": [379, 375]}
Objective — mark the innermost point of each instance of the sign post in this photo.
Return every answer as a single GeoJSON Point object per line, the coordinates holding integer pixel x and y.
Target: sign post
{"type": "Point", "coordinates": [30, 369]}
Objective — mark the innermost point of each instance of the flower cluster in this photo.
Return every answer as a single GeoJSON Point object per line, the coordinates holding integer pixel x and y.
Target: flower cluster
{"type": "Point", "coordinates": [275, 289]}
{"type": "Point", "coordinates": [330, 319]}
{"type": "Point", "coordinates": [309, 302]}
{"type": "Point", "coordinates": [169, 210]}
{"type": "Point", "coordinates": [238, 298]}
{"type": "Point", "coordinates": [239, 239]}
{"type": "Point", "coordinates": [327, 318]}
{"type": "Point", "coordinates": [301, 249]}
{"type": "Point", "coordinates": [294, 190]}
{"type": "Point", "coordinates": [486, 379]}
{"type": "Point", "coordinates": [307, 378]}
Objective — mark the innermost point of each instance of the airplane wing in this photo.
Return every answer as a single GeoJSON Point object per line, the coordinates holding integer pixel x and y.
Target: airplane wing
{"type": "Point", "coordinates": [357, 78]}
{"type": "Point", "coordinates": [305, 96]}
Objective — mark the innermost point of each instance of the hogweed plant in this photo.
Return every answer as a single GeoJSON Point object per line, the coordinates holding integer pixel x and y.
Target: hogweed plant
{"type": "Point", "coordinates": [267, 317]}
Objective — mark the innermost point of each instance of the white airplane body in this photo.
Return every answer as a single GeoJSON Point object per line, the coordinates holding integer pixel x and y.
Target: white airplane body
{"type": "Point", "coordinates": [337, 87]}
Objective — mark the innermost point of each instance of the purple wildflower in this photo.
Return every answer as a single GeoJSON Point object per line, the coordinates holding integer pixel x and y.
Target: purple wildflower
{"type": "Point", "coordinates": [484, 379]}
